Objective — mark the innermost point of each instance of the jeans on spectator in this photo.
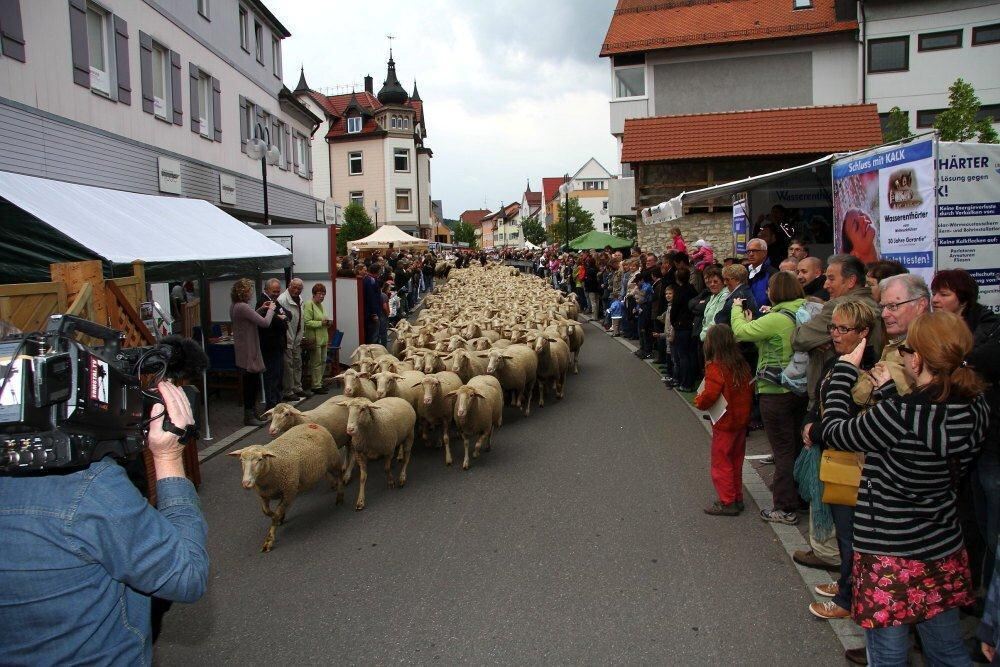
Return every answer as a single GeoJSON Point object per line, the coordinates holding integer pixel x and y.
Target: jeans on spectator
{"type": "Point", "coordinates": [595, 304]}
{"type": "Point", "coordinates": [292, 380]}
{"type": "Point", "coordinates": [782, 415]}
{"type": "Point", "coordinates": [274, 372]}
{"type": "Point", "coordinates": [728, 451]}
{"type": "Point", "coordinates": [683, 358]}
{"type": "Point", "coordinates": [428, 283]}
{"type": "Point", "coordinates": [940, 637]}
{"type": "Point", "coordinates": [383, 330]}
{"type": "Point", "coordinates": [986, 496]}
{"type": "Point", "coordinates": [371, 329]}
{"type": "Point", "coordinates": [645, 330]}
{"type": "Point", "coordinates": [251, 384]}
{"type": "Point", "coordinates": [843, 521]}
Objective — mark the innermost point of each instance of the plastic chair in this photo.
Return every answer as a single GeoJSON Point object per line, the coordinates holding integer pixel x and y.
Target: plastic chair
{"type": "Point", "coordinates": [333, 352]}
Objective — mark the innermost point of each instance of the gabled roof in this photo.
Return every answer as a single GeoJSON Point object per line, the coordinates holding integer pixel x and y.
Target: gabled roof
{"type": "Point", "coordinates": [648, 25]}
{"type": "Point", "coordinates": [550, 187]}
{"type": "Point", "coordinates": [473, 216]}
{"type": "Point", "coordinates": [604, 173]}
{"type": "Point", "coordinates": [509, 211]}
{"type": "Point", "coordinates": [533, 198]}
{"type": "Point", "coordinates": [791, 131]}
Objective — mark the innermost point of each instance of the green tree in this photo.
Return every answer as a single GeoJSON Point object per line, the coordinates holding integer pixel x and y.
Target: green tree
{"type": "Point", "coordinates": [357, 225]}
{"type": "Point", "coordinates": [465, 233]}
{"type": "Point", "coordinates": [958, 122]}
{"type": "Point", "coordinates": [897, 127]}
{"type": "Point", "coordinates": [624, 228]}
{"type": "Point", "coordinates": [533, 231]}
{"type": "Point", "coordinates": [581, 222]}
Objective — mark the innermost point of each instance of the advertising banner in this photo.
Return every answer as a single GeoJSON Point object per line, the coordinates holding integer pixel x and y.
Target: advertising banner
{"type": "Point", "coordinates": [740, 231]}
{"type": "Point", "coordinates": [969, 215]}
{"type": "Point", "coordinates": [885, 206]}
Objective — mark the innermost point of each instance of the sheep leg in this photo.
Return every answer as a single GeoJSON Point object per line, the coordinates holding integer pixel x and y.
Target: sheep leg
{"type": "Point", "coordinates": [388, 471]}
{"type": "Point", "coordinates": [265, 506]}
{"type": "Point", "coordinates": [447, 454]}
{"type": "Point", "coordinates": [336, 477]}
{"type": "Point", "coordinates": [465, 444]}
{"type": "Point", "coordinates": [362, 462]}
{"type": "Point", "coordinates": [527, 402]}
{"type": "Point", "coordinates": [269, 540]}
{"type": "Point", "coordinates": [407, 448]}
{"type": "Point", "coordinates": [560, 383]}
{"type": "Point", "coordinates": [445, 441]}
{"type": "Point", "coordinates": [479, 444]}
{"type": "Point", "coordinates": [277, 518]}
{"type": "Point", "coordinates": [350, 464]}
{"type": "Point", "coordinates": [576, 362]}
{"type": "Point", "coordinates": [489, 441]}
{"type": "Point", "coordinates": [540, 387]}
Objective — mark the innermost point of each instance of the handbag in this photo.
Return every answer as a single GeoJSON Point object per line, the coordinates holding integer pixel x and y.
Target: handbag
{"type": "Point", "coordinates": [308, 343]}
{"type": "Point", "coordinates": [840, 473]}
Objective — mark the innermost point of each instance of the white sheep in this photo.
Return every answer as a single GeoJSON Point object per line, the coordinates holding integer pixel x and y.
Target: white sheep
{"type": "Point", "coordinates": [516, 367]}
{"type": "Point", "coordinates": [553, 363]}
{"type": "Point", "coordinates": [478, 410]}
{"type": "Point", "coordinates": [357, 385]}
{"type": "Point", "coordinates": [377, 430]}
{"type": "Point", "coordinates": [467, 365]}
{"type": "Point", "coordinates": [433, 409]}
{"type": "Point", "coordinates": [371, 350]}
{"type": "Point", "coordinates": [405, 385]}
{"type": "Point", "coordinates": [288, 465]}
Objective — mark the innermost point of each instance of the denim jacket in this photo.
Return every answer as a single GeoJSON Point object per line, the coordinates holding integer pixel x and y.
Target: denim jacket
{"type": "Point", "coordinates": [82, 553]}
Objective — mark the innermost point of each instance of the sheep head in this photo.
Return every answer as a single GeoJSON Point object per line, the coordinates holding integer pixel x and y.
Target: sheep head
{"type": "Point", "coordinates": [253, 459]}
{"type": "Point", "coordinates": [432, 387]}
{"type": "Point", "coordinates": [352, 381]}
{"type": "Point", "coordinates": [463, 397]}
{"type": "Point", "coordinates": [283, 417]}
{"type": "Point", "coordinates": [360, 411]}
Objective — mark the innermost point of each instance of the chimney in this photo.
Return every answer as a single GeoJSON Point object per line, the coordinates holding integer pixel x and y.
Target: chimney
{"type": "Point", "coordinates": [369, 84]}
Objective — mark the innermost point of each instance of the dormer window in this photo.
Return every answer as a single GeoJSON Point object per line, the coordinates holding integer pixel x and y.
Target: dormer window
{"type": "Point", "coordinates": [354, 125]}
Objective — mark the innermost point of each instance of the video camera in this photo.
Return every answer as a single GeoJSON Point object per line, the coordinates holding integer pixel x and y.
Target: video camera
{"type": "Point", "coordinates": [64, 404]}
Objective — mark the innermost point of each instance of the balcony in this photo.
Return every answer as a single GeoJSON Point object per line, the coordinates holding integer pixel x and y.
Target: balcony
{"type": "Point", "coordinates": [627, 108]}
{"type": "Point", "coordinates": [621, 197]}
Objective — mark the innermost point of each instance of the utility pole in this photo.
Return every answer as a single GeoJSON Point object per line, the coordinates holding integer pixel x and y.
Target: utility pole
{"type": "Point", "coordinates": [567, 208]}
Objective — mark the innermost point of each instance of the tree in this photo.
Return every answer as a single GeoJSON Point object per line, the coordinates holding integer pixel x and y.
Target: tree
{"type": "Point", "coordinates": [624, 228]}
{"type": "Point", "coordinates": [959, 121]}
{"type": "Point", "coordinates": [357, 225]}
{"type": "Point", "coordinates": [533, 231]}
{"type": "Point", "coordinates": [582, 221]}
{"type": "Point", "coordinates": [465, 233]}
{"type": "Point", "coordinates": [897, 127]}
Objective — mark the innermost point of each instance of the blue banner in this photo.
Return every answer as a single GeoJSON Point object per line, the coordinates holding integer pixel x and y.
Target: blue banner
{"type": "Point", "coordinates": [884, 159]}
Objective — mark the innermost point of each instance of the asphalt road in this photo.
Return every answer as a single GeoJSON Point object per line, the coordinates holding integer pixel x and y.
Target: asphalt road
{"type": "Point", "coordinates": [578, 540]}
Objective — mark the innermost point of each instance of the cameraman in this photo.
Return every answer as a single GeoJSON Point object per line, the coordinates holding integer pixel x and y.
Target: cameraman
{"type": "Point", "coordinates": [83, 552]}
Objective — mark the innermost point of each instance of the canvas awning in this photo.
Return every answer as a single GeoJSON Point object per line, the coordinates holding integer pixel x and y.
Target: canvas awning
{"type": "Point", "coordinates": [595, 240]}
{"type": "Point", "coordinates": [385, 237]}
{"type": "Point", "coordinates": [673, 209]}
{"type": "Point", "coordinates": [44, 221]}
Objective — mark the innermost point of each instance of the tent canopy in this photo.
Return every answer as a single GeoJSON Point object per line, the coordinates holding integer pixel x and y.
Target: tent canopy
{"type": "Point", "coordinates": [595, 240]}
{"type": "Point", "coordinates": [45, 221]}
{"type": "Point", "coordinates": [385, 237]}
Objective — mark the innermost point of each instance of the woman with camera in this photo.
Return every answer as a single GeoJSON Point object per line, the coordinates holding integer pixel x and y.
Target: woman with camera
{"type": "Point", "coordinates": [910, 563]}
{"type": "Point", "coordinates": [246, 339]}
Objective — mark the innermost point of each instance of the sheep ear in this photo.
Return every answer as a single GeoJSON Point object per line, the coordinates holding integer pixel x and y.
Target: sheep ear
{"type": "Point", "coordinates": [235, 452]}
{"type": "Point", "coordinates": [476, 392]}
{"type": "Point", "coordinates": [268, 413]}
{"type": "Point", "coordinates": [451, 393]}
{"type": "Point", "coordinates": [395, 376]}
{"type": "Point", "coordinates": [267, 455]}
{"type": "Point", "coordinates": [339, 377]}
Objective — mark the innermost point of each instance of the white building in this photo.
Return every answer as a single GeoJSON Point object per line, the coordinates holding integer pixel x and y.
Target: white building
{"type": "Point", "coordinates": [589, 186]}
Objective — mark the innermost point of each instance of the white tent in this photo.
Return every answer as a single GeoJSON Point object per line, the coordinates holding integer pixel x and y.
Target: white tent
{"type": "Point", "coordinates": [387, 236]}
{"type": "Point", "coordinates": [530, 246]}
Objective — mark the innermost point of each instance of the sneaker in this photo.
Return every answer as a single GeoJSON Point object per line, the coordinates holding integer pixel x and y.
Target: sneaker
{"type": "Point", "coordinates": [767, 461]}
{"type": "Point", "coordinates": [303, 393]}
{"type": "Point", "coordinates": [669, 381]}
{"type": "Point", "coordinates": [718, 508]}
{"type": "Point", "coordinates": [827, 590]}
{"type": "Point", "coordinates": [810, 559]}
{"type": "Point", "coordinates": [777, 516]}
{"type": "Point", "coordinates": [320, 390]}
{"type": "Point", "coordinates": [828, 610]}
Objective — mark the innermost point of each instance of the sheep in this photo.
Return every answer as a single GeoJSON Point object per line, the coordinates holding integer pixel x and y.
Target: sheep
{"type": "Point", "coordinates": [389, 363]}
{"type": "Point", "coordinates": [553, 363]}
{"type": "Point", "coordinates": [378, 429]}
{"type": "Point", "coordinates": [427, 361]}
{"type": "Point", "coordinates": [400, 385]}
{"type": "Point", "coordinates": [288, 465]}
{"type": "Point", "coordinates": [467, 365]}
{"type": "Point", "coordinates": [478, 410]}
{"type": "Point", "coordinates": [331, 415]}
{"type": "Point", "coordinates": [357, 385]}
{"type": "Point", "coordinates": [372, 351]}
{"type": "Point", "coordinates": [433, 409]}
{"type": "Point", "coordinates": [516, 367]}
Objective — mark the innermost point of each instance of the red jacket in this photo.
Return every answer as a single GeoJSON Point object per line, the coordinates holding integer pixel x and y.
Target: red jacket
{"type": "Point", "coordinates": [718, 380]}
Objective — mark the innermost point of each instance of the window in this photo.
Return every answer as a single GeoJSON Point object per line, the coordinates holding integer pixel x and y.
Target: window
{"type": "Point", "coordinates": [354, 165]}
{"type": "Point", "coordinates": [354, 124]}
{"type": "Point", "coordinates": [203, 8]}
{"type": "Point", "coordinates": [802, 4]}
{"type": "Point", "coordinates": [258, 37]}
{"type": "Point", "coordinates": [302, 155]}
{"type": "Point", "coordinates": [402, 201]}
{"type": "Point", "coordinates": [936, 41]}
{"type": "Point", "coordinates": [401, 159]}
{"type": "Point", "coordinates": [630, 81]}
{"type": "Point", "coordinates": [161, 81]}
{"type": "Point", "coordinates": [991, 111]}
{"type": "Point", "coordinates": [98, 22]}
{"type": "Point", "coordinates": [249, 114]}
{"type": "Point", "coordinates": [604, 206]}
{"type": "Point", "coordinates": [607, 226]}
{"type": "Point", "coordinates": [889, 55]}
{"type": "Point", "coordinates": [926, 117]}
{"type": "Point", "coordinates": [276, 57]}
{"type": "Point", "coordinates": [358, 197]}
{"type": "Point", "coordinates": [986, 34]}
{"type": "Point", "coordinates": [244, 29]}
{"type": "Point", "coordinates": [205, 105]}
{"type": "Point", "coordinates": [593, 185]}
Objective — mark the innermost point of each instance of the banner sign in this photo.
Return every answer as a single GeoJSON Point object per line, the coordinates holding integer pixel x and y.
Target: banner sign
{"type": "Point", "coordinates": [885, 206]}
{"type": "Point", "coordinates": [969, 215]}
{"type": "Point", "coordinates": [740, 231]}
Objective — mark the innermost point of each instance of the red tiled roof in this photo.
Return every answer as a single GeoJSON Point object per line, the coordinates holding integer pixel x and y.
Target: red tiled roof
{"type": "Point", "coordinates": [335, 105]}
{"type": "Point", "coordinates": [647, 25]}
{"type": "Point", "coordinates": [791, 131]}
{"type": "Point", "coordinates": [550, 187]}
{"type": "Point", "coordinates": [509, 211]}
{"type": "Point", "coordinates": [474, 216]}
{"type": "Point", "coordinates": [533, 198]}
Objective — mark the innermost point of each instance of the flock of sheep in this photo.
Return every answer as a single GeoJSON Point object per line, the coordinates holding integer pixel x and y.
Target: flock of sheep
{"type": "Point", "coordinates": [488, 336]}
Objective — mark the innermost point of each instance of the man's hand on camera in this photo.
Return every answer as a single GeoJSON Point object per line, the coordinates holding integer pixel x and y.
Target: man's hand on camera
{"type": "Point", "coordinates": [165, 447]}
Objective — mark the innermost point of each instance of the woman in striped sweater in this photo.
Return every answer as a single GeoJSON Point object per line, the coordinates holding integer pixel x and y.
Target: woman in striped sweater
{"type": "Point", "coordinates": [910, 563]}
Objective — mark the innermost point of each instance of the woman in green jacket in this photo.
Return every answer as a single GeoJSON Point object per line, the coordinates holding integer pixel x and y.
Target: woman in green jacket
{"type": "Point", "coordinates": [317, 333]}
{"type": "Point", "coordinates": [781, 410]}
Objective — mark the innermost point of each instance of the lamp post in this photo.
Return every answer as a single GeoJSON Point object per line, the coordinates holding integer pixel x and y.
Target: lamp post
{"type": "Point", "coordinates": [567, 181]}
{"type": "Point", "coordinates": [260, 148]}
{"type": "Point", "coordinates": [503, 227]}
{"type": "Point", "coordinates": [376, 215]}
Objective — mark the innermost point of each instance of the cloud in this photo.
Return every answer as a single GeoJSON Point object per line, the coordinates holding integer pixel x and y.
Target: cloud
{"type": "Point", "coordinates": [512, 91]}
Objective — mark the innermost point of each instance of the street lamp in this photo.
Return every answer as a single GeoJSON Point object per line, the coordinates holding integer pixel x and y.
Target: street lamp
{"type": "Point", "coordinates": [566, 185]}
{"type": "Point", "coordinates": [260, 148]}
{"type": "Point", "coordinates": [503, 226]}
{"type": "Point", "coordinates": [376, 215]}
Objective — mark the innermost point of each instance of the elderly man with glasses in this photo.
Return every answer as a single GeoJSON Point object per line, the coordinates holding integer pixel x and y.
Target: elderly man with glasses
{"type": "Point", "coordinates": [760, 270]}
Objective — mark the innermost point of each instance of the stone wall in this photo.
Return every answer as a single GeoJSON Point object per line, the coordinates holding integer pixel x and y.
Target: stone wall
{"type": "Point", "coordinates": [716, 228]}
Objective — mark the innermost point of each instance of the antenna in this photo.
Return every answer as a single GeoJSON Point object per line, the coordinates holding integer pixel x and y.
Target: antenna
{"type": "Point", "coordinates": [390, 37]}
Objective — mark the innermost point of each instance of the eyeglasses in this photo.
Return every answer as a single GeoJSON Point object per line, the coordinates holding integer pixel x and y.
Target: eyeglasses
{"type": "Point", "coordinates": [842, 330]}
{"type": "Point", "coordinates": [903, 349]}
{"type": "Point", "coordinates": [893, 307]}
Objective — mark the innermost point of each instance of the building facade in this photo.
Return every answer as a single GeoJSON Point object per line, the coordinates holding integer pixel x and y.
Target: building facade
{"type": "Point", "coordinates": [372, 146]}
{"type": "Point", "coordinates": [155, 97]}
{"type": "Point", "coordinates": [589, 186]}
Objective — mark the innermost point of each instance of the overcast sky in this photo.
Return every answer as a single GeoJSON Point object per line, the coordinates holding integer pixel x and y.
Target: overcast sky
{"type": "Point", "coordinates": [512, 90]}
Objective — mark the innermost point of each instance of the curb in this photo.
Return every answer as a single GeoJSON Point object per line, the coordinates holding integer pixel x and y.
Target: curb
{"type": "Point", "coordinates": [850, 634]}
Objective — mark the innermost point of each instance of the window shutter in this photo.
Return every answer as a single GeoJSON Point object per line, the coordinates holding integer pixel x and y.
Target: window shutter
{"type": "Point", "coordinates": [244, 130]}
{"type": "Point", "coordinates": [175, 87]}
{"type": "Point", "coordinates": [121, 61]}
{"type": "Point", "coordinates": [276, 137]}
{"type": "Point", "coordinates": [146, 70]}
{"type": "Point", "coordinates": [11, 31]}
{"type": "Point", "coordinates": [193, 76]}
{"type": "Point", "coordinates": [216, 109]}
{"type": "Point", "coordinates": [295, 155]}
{"type": "Point", "coordinates": [289, 147]}
{"type": "Point", "coordinates": [307, 155]}
{"type": "Point", "coordinates": [78, 42]}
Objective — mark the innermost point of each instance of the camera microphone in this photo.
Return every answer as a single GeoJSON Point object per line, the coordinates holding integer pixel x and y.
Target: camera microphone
{"type": "Point", "coordinates": [185, 358]}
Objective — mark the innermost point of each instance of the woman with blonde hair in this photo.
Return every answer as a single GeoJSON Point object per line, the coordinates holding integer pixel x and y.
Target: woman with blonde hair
{"type": "Point", "coordinates": [246, 321]}
{"type": "Point", "coordinates": [910, 563]}
{"type": "Point", "coordinates": [317, 326]}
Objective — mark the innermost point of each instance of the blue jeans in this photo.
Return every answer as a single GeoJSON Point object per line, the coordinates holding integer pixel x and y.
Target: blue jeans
{"type": "Point", "coordinates": [843, 520]}
{"type": "Point", "coordinates": [682, 350]}
{"type": "Point", "coordinates": [941, 638]}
